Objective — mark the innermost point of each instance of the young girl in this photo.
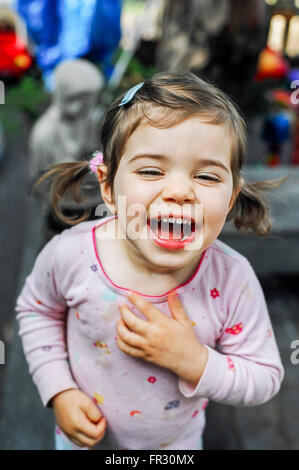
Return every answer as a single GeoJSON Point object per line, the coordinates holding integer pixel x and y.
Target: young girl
{"type": "Point", "coordinates": [132, 323]}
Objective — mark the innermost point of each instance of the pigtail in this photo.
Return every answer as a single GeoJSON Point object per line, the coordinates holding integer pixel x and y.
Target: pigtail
{"type": "Point", "coordinates": [66, 180]}
{"type": "Point", "coordinates": [251, 210]}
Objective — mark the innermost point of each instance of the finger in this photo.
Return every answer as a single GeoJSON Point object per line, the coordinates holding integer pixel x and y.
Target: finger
{"type": "Point", "coordinates": [151, 312]}
{"type": "Point", "coordinates": [77, 442]}
{"type": "Point", "coordinates": [85, 441]}
{"type": "Point", "coordinates": [98, 433]}
{"type": "Point", "coordinates": [87, 427]}
{"type": "Point", "coordinates": [132, 321]}
{"type": "Point", "coordinates": [127, 349]}
{"type": "Point", "coordinates": [177, 310]}
{"type": "Point", "coordinates": [129, 337]}
{"type": "Point", "coordinates": [91, 410]}
{"type": "Point", "coordinates": [76, 439]}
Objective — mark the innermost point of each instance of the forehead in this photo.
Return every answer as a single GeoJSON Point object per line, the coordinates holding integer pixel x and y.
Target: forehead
{"type": "Point", "coordinates": [192, 137]}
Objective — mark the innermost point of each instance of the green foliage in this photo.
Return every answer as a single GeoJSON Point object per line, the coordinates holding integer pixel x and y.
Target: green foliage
{"type": "Point", "coordinates": [24, 100]}
{"type": "Point", "coordinates": [135, 73]}
{"type": "Point", "coordinates": [29, 96]}
{"type": "Point", "coordinates": [137, 69]}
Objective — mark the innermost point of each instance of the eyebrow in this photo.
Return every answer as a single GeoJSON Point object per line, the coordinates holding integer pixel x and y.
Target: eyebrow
{"type": "Point", "coordinates": [202, 162]}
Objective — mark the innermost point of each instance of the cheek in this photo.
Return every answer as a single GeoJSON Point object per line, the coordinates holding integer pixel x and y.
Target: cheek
{"type": "Point", "coordinates": [216, 207]}
{"type": "Point", "coordinates": [132, 202]}
{"type": "Point", "coordinates": [134, 191]}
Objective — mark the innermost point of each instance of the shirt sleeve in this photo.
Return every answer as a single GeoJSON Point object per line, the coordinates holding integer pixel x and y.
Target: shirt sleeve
{"type": "Point", "coordinates": [245, 368]}
{"type": "Point", "coordinates": [42, 313]}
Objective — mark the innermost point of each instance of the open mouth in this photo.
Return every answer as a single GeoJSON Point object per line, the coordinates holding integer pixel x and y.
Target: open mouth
{"type": "Point", "coordinates": [172, 228]}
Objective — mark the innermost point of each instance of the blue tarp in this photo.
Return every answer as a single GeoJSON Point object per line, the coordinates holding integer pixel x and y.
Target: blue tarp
{"type": "Point", "coordinates": [66, 29]}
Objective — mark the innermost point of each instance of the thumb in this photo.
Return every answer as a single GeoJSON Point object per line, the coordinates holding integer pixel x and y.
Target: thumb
{"type": "Point", "coordinates": [177, 310]}
{"type": "Point", "coordinates": [92, 411]}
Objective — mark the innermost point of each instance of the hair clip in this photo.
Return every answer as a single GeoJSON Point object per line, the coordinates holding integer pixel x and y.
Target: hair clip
{"type": "Point", "coordinates": [95, 161]}
{"type": "Point", "coordinates": [130, 94]}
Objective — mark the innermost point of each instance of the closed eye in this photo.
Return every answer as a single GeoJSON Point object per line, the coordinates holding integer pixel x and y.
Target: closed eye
{"type": "Point", "coordinates": [207, 177]}
{"type": "Point", "coordinates": [158, 173]}
{"type": "Point", "coordinates": [149, 172]}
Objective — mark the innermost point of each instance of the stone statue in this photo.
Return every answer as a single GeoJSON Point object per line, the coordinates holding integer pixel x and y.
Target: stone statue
{"type": "Point", "coordinates": [69, 129]}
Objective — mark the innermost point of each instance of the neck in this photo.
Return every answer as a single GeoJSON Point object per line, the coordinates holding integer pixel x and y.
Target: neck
{"type": "Point", "coordinates": [145, 268]}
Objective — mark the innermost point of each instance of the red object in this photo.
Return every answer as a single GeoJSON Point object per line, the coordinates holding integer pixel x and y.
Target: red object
{"type": "Point", "coordinates": [135, 413]}
{"type": "Point", "coordinates": [214, 293]}
{"type": "Point", "coordinates": [273, 160]}
{"type": "Point", "coordinates": [14, 57]}
{"type": "Point", "coordinates": [271, 64]}
{"type": "Point", "coordinates": [235, 330]}
{"type": "Point", "coordinates": [205, 405]}
{"type": "Point", "coordinates": [231, 365]}
{"type": "Point", "coordinates": [152, 380]}
{"type": "Point", "coordinates": [281, 97]}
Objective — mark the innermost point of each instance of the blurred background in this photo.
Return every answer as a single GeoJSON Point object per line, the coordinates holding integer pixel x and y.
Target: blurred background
{"type": "Point", "coordinates": [61, 63]}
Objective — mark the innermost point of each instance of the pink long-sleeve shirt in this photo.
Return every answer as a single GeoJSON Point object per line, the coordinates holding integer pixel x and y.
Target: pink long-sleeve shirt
{"type": "Point", "coordinates": [67, 312]}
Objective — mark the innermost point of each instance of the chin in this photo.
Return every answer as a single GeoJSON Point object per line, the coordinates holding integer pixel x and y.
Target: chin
{"type": "Point", "coordinates": [165, 258]}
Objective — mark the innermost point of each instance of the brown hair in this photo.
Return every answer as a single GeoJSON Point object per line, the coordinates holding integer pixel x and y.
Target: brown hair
{"type": "Point", "coordinates": [164, 100]}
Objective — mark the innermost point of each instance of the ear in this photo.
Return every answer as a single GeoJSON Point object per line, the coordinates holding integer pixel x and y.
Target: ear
{"type": "Point", "coordinates": [106, 189]}
{"type": "Point", "coordinates": [235, 194]}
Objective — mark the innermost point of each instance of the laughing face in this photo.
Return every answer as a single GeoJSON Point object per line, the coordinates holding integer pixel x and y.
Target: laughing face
{"type": "Point", "coordinates": [172, 192]}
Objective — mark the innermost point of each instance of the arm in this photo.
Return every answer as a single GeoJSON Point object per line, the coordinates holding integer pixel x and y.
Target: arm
{"type": "Point", "coordinates": [42, 312]}
{"type": "Point", "coordinates": [41, 315]}
{"type": "Point", "coordinates": [246, 368]}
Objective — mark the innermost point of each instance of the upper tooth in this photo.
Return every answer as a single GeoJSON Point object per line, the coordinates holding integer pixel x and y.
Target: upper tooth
{"type": "Point", "coordinates": [172, 220]}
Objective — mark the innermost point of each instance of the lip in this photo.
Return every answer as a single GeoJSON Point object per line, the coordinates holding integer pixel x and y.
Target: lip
{"type": "Point", "coordinates": [169, 243]}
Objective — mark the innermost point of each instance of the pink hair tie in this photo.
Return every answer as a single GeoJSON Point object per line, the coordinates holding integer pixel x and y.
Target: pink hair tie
{"type": "Point", "coordinates": [95, 161]}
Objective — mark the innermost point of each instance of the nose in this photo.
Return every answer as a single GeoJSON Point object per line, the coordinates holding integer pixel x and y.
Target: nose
{"type": "Point", "coordinates": [178, 189]}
